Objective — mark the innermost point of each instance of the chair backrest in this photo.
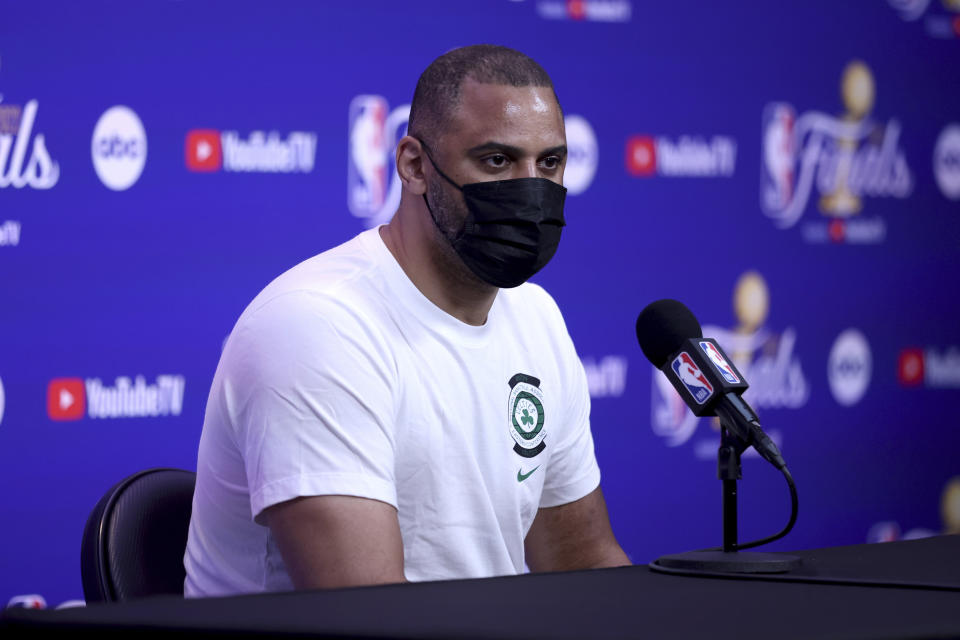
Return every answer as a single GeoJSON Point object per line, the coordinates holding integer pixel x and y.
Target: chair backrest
{"type": "Point", "coordinates": [134, 539]}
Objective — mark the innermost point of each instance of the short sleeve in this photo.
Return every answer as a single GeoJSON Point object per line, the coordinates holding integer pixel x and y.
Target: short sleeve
{"type": "Point", "coordinates": [573, 470]}
{"type": "Point", "coordinates": [309, 388]}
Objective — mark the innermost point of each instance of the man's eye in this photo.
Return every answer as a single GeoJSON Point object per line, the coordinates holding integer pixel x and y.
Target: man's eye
{"type": "Point", "coordinates": [552, 162]}
{"type": "Point", "coordinates": [497, 160]}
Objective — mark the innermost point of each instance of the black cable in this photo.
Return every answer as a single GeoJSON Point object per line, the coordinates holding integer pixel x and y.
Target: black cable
{"type": "Point", "coordinates": [794, 505]}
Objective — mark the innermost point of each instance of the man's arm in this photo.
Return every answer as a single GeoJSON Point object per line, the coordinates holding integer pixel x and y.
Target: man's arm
{"type": "Point", "coordinates": [337, 541]}
{"type": "Point", "coordinates": [571, 536]}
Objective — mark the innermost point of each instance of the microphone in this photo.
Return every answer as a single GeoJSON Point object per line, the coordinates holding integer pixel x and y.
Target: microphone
{"type": "Point", "coordinates": [671, 338]}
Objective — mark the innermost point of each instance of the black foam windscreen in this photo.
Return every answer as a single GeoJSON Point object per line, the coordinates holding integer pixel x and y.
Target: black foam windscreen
{"type": "Point", "coordinates": [662, 327]}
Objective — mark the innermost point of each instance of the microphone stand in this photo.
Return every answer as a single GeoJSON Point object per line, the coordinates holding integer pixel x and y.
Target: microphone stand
{"type": "Point", "coordinates": [729, 471]}
{"type": "Point", "coordinates": [729, 559]}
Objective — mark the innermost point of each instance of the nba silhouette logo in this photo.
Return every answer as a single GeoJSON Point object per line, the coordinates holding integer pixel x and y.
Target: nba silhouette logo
{"type": "Point", "coordinates": [367, 164]}
{"type": "Point", "coordinates": [779, 157]}
{"type": "Point", "coordinates": [719, 362]}
{"type": "Point", "coordinates": [692, 378]}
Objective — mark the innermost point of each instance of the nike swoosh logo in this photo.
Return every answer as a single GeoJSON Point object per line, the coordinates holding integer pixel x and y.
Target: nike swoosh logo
{"type": "Point", "coordinates": [523, 476]}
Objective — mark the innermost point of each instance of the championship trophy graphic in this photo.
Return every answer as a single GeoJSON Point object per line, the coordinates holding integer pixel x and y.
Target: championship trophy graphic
{"type": "Point", "coordinates": [857, 90]}
{"type": "Point", "coordinates": [950, 506]}
{"type": "Point", "coordinates": [751, 304]}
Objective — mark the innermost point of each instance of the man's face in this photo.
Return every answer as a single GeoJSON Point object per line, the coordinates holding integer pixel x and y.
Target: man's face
{"type": "Point", "coordinates": [496, 133]}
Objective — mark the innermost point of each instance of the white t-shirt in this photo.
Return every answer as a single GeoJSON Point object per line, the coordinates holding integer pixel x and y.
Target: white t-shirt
{"type": "Point", "coordinates": [341, 378]}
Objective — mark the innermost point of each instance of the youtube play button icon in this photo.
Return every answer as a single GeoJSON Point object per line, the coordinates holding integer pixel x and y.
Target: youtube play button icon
{"type": "Point", "coordinates": [202, 150]}
{"type": "Point", "coordinates": [66, 399]}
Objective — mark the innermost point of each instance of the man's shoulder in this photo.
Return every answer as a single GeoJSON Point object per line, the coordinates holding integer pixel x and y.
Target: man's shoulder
{"type": "Point", "coordinates": [345, 274]}
{"type": "Point", "coordinates": [333, 269]}
{"type": "Point", "coordinates": [341, 288]}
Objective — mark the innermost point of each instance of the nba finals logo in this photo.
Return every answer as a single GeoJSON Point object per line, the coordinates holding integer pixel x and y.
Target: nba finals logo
{"type": "Point", "coordinates": [767, 359]}
{"type": "Point", "coordinates": [373, 186]}
{"type": "Point", "coordinates": [24, 158]}
{"type": "Point", "coordinates": [890, 530]}
{"type": "Point", "coordinates": [846, 157]}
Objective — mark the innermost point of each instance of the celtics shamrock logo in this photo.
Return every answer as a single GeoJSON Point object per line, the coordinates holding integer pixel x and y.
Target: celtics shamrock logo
{"type": "Point", "coordinates": [526, 415]}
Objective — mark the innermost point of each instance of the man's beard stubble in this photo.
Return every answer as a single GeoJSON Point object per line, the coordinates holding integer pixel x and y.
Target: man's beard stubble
{"type": "Point", "coordinates": [449, 214]}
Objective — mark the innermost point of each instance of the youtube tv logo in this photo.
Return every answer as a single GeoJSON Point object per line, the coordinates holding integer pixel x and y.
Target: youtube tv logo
{"type": "Point", "coordinates": [66, 399]}
{"type": "Point", "coordinates": [641, 156]}
{"type": "Point", "coordinates": [203, 151]}
{"type": "Point", "coordinates": [929, 367]}
{"type": "Point", "coordinates": [683, 156]}
{"type": "Point", "coordinates": [910, 367]}
{"type": "Point", "coordinates": [577, 9]}
{"type": "Point", "coordinates": [128, 397]}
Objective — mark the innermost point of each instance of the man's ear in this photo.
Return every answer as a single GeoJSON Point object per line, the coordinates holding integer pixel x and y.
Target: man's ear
{"type": "Point", "coordinates": [410, 159]}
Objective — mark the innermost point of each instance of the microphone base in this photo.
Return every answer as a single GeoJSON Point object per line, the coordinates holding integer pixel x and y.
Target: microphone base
{"type": "Point", "coordinates": [729, 562]}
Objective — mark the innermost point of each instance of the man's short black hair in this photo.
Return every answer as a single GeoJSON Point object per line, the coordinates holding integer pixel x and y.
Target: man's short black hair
{"type": "Point", "coordinates": [438, 91]}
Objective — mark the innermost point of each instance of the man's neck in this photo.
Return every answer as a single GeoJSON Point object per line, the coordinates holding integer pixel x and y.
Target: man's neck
{"type": "Point", "coordinates": [439, 276]}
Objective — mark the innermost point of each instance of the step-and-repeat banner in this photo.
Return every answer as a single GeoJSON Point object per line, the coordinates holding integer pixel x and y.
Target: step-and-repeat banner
{"type": "Point", "coordinates": [789, 170]}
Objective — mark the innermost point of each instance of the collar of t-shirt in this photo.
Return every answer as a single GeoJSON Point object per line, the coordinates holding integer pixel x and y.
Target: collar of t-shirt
{"type": "Point", "coordinates": [429, 314]}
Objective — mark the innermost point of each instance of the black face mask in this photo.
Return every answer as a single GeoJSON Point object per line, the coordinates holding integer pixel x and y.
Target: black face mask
{"type": "Point", "coordinates": [512, 227]}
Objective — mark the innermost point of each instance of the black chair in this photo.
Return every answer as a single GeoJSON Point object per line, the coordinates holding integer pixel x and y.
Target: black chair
{"type": "Point", "coordinates": [134, 539]}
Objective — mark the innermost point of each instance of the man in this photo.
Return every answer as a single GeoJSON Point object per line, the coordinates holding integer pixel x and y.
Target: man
{"type": "Point", "coordinates": [403, 407]}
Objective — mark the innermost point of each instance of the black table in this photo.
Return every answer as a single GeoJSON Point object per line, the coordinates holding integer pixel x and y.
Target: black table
{"type": "Point", "coordinates": [913, 591]}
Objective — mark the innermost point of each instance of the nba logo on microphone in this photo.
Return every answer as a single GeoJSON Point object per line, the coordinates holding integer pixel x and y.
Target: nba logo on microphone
{"type": "Point", "coordinates": [692, 378]}
{"type": "Point", "coordinates": [719, 362]}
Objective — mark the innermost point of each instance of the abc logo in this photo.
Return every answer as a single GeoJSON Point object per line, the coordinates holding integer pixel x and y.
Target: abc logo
{"type": "Point", "coordinates": [581, 155]}
{"type": "Point", "coordinates": [946, 162]}
{"type": "Point", "coordinates": [119, 148]}
{"type": "Point", "coordinates": [116, 147]}
{"type": "Point", "coordinates": [849, 367]}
